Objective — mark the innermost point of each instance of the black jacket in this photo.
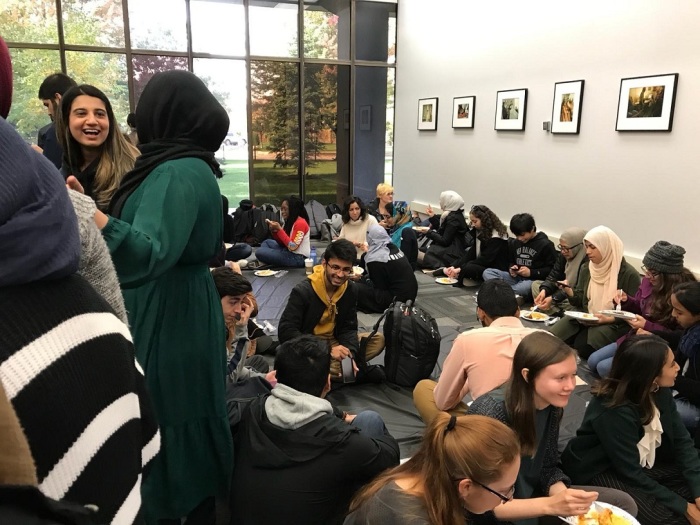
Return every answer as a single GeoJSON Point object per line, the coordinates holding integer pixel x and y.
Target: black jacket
{"type": "Point", "coordinates": [450, 234]}
{"type": "Point", "coordinates": [549, 285]}
{"type": "Point", "coordinates": [389, 280]}
{"type": "Point", "coordinates": [305, 309]}
{"type": "Point", "coordinates": [493, 253]}
{"type": "Point", "coordinates": [538, 254]}
{"type": "Point", "coordinates": [305, 476]}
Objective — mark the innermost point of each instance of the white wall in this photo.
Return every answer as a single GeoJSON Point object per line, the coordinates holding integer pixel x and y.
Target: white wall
{"type": "Point", "coordinates": [642, 185]}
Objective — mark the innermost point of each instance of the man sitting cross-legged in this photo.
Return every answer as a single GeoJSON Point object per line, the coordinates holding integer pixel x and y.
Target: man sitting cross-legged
{"type": "Point", "coordinates": [481, 359]}
{"type": "Point", "coordinates": [324, 305]}
{"type": "Point", "coordinates": [297, 460]}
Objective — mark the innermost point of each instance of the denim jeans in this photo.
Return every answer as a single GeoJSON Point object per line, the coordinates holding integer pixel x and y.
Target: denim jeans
{"type": "Point", "coordinates": [370, 424]}
{"type": "Point", "coordinates": [238, 251]}
{"type": "Point", "coordinates": [690, 414]}
{"type": "Point", "coordinates": [520, 285]}
{"type": "Point", "coordinates": [600, 361]}
{"type": "Point", "coordinates": [272, 253]}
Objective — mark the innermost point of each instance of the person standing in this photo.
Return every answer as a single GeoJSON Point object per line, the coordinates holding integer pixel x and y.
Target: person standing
{"type": "Point", "coordinates": [50, 92]}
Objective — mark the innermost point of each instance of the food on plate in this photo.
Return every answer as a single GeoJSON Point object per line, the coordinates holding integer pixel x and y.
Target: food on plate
{"type": "Point", "coordinates": [585, 315]}
{"type": "Point", "coordinates": [445, 280]}
{"type": "Point", "coordinates": [265, 273]}
{"type": "Point", "coordinates": [357, 270]}
{"type": "Point", "coordinates": [536, 316]}
{"type": "Point", "coordinates": [602, 516]}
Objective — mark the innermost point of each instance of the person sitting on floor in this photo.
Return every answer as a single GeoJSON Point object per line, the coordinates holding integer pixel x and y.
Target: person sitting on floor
{"type": "Point", "coordinates": [458, 463]}
{"type": "Point", "coordinates": [389, 274]}
{"type": "Point", "coordinates": [489, 250]}
{"type": "Point", "coordinates": [633, 439]}
{"type": "Point", "coordinates": [309, 460]}
{"type": "Point", "coordinates": [549, 295]}
{"type": "Point", "coordinates": [651, 305]}
{"type": "Point", "coordinates": [532, 256]}
{"type": "Point", "coordinates": [290, 244]}
{"type": "Point", "coordinates": [447, 233]}
{"type": "Point", "coordinates": [237, 306]}
{"type": "Point", "coordinates": [402, 233]}
{"type": "Point", "coordinates": [382, 207]}
{"type": "Point", "coordinates": [480, 359]}
{"type": "Point", "coordinates": [601, 279]}
{"type": "Point", "coordinates": [542, 381]}
{"type": "Point", "coordinates": [325, 305]}
{"type": "Point", "coordinates": [356, 222]}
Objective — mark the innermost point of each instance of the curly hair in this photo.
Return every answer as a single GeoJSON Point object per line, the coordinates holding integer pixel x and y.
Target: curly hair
{"type": "Point", "coordinates": [489, 222]}
{"type": "Point", "coordinates": [660, 310]}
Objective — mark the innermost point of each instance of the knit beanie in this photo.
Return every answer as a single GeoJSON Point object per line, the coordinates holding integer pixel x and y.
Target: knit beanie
{"type": "Point", "coordinates": [5, 80]}
{"type": "Point", "coordinates": [664, 257]}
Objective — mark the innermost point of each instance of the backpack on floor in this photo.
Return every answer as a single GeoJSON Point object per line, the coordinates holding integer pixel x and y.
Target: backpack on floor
{"type": "Point", "coordinates": [330, 228]}
{"type": "Point", "coordinates": [332, 209]}
{"type": "Point", "coordinates": [242, 221]}
{"type": "Point", "coordinates": [271, 212]}
{"type": "Point", "coordinates": [412, 343]}
{"type": "Point", "coordinates": [317, 214]}
{"type": "Point", "coordinates": [260, 230]}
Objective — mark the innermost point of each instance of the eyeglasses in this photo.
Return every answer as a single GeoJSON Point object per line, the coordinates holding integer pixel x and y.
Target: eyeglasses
{"type": "Point", "coordinates": [340, 269]}
{"type": "Point", "coordinates": [504, 498]}
{"type": "Point", "coordinates": [649, 272]}
{"type": "Point", "coordinates": [568, 248]}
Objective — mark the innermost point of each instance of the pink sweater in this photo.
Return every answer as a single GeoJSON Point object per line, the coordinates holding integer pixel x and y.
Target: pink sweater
{"type": "Point", "coordinates": [480, 360]}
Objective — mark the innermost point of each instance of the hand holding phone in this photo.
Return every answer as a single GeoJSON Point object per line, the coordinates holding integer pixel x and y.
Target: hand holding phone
{"type": "Point", "coordinates": [347, 370]}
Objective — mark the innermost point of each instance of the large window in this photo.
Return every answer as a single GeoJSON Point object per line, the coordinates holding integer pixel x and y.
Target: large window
{"type": "Point", "coordinates": [309, 96]}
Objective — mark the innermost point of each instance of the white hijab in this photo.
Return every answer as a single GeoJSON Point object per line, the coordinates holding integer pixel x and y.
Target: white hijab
{"type": "Point", "coordinates": [450, 201]}
{"type": "Point", "coordinates": [603, 284]}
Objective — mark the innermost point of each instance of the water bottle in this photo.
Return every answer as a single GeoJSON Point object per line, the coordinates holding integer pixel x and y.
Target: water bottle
{"type": "Point", "coordinates": [313, 255]}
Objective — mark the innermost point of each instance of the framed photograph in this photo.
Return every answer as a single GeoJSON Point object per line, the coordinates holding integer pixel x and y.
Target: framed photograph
{"type": "Point", "coordinates": [365, 118]}
{"type": "Point", "coordinates": [647, 103]}
{"type": "Point", "coordinates": [427, 114]}
{"type": "Point", "coordinates": [566, 109]}
{"type": "Point", "coordinates": [511, 107]}
{"type": "Point", "coordinates": [463, 112]}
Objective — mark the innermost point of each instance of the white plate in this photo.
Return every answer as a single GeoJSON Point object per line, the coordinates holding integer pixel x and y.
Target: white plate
{"type": "Point", "coordinates": [445, 280]}
{"type": "Point", "coordinates": [265, 273]}
{"type": "Point", "coordinates": [618, 314]}
{"type": "Point", "coordinates": [525, 314]}
{"type": "Point", "coordinates": [421, 229]}
{"type": "Point", "coordinates": [616, 512]}
{"type": "Point", "coordinates": [581, 316]}
{"type": "Point", "coordinates": [357, 270]}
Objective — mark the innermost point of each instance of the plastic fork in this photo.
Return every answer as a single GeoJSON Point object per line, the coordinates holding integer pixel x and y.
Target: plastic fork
{"type": "Point", "coordinates": [619, 300]}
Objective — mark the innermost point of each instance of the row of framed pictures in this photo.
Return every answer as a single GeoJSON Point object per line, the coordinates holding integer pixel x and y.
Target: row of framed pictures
{"type": "Point", "coordinates": [645, 104]}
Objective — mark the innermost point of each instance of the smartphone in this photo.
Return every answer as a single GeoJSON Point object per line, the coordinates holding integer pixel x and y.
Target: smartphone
{"type": "Point", "coordinates": [347, 370]}
{"type": "Point", "coordinates": [562, 285]}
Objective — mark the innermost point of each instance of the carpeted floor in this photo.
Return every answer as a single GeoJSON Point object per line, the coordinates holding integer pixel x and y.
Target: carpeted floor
{"type": "Point", "coordinates": [454, 309]}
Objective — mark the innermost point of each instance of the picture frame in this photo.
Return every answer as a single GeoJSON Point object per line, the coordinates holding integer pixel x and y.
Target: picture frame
{"type": "Point", "coordinates": [427, 114]}
{"type": "Point", "coordinates": [566, 107]}
{"type": "Point", "coordinates": [463, 112]}
{"type": "Point", "coordinates": [647, 103]}
{"type": "Point", "coordinates": [365, 118]}
{"type": "Point", "coordinates": [511, 110]}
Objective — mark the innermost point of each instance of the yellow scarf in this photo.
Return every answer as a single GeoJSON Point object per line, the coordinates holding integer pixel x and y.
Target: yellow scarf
{"type": "Point", "coordinates": [326, 326]}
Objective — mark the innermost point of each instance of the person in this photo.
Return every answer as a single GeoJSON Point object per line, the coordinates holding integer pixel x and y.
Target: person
{"type": "Point", "coordinates": [238, 250]}
{"type": "Point", "coordinates": [633, 439]}
{"type": "Point", "coordinates": [132, 135]}
{"type": "Point", "coordinates": [50, 92]}
{"type": "Point", "coordinates": [599, 282]}
{"type": "Point", "coordinates": [325, 305]}
{"type": "Point", "coordinates": [531, 256]}
{"type": "Point", "coordinates": [464, 463]}
{"type": "Point", "coordinates": [548, 294]}
{"type": "Point", "coordinates": [663, 269]}
{"type": "Point", "coordinates": [164, 225]}
{"type": "Point", "coordinates": [290, 244]}
{"type": "Point", "coordinates": [356, 222]}
{"type": "Point", "coordinates": [68, 370]}
{"type": "Point", "coordinates": [447, 233]}
{"type": "Point", "coordinates": [94, 149]}
{"type": "Point", "coordinates": [685, 303]}
{"type": "Point", "coordinates": [480, 359]}
{"type": "Point", "coordinates": [489, 248]}
{"type": "Point", "coordinates": [382, 207]}
{"type": "Point", "coordinates": [542, 380]}
{"type": "Point", "coordinates": [308, 458]}
{"type": "Point", "coordinates": [238, 304]}
{"type": "Point", "coordinates": [402, 234]}
{"type": "Point", "coordinates": [389, 276]}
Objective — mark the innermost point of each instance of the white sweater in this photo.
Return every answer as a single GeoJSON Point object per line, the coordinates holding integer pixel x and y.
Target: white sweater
{"type": "Point", "coordinates": [356, 231]}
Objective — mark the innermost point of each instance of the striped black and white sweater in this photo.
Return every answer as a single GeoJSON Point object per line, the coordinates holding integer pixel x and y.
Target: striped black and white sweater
{"type": "Point", "coordinates": [67, 364]}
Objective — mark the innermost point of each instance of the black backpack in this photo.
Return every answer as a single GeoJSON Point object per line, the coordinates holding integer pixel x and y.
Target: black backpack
{"type": "Point", "coordinates": [412, 343]}
{"type": "Point", "coordinates": [332, 209]}
{"type": "Point", "coordinates": [242, 221]}
{"type": "Point", "coordinates": [271, 212]}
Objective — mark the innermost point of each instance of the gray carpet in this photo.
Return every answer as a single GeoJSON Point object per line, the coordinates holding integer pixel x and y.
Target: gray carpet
{"type": "Point", "coordinates": [454, 309]}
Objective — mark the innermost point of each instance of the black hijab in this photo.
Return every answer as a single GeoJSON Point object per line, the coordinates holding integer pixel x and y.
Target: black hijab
{"type": "Point", "coordinates": [177, 117]}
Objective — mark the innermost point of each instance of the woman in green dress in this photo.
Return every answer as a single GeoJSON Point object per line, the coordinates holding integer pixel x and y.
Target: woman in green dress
{"type": "Point", "coordinates": [164, 225]}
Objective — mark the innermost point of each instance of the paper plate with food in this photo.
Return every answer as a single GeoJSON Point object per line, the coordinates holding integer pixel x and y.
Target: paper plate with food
{"type": "Point", "coordinates": [445, 280]}
{"type": "Point", "coordinates": [265, 273]}
{"type": "Point", "coordinates": [581, 316]}
{"type": "Point", "coordinates": [602, 514]}
{"type": "Point", "coordinates": [421, 229]}
{"type": "Point", "coordinates": [619, 314]}
{"type": "Point", "coordinates": [529, 315]}
{"type": "Point", "coordinates": [358, 270]}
